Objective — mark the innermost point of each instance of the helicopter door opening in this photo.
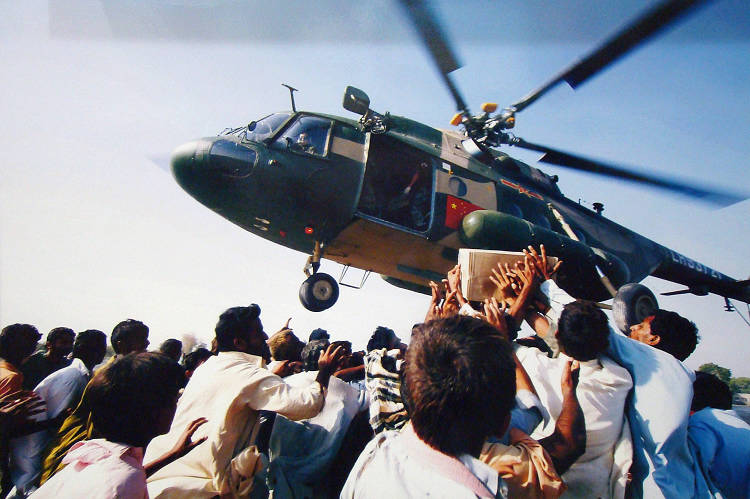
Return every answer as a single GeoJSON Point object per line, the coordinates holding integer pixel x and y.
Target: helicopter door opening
{"type": "Point", "coordinates": [397, 187]}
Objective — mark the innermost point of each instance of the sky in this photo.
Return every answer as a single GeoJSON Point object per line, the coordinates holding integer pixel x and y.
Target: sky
{"type": "Point", "coordinates": [94, 96]}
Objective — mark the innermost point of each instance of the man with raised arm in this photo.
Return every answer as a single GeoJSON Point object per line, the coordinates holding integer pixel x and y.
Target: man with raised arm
{"type": "Point", "coordinates": [229, 390]}
{"type": "Point", "coordinates": [657, 410]}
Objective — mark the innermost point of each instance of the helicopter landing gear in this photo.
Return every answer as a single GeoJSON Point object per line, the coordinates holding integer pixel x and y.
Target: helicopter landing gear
{"type": "Point", "coordinates": [319, 291]}
{"type": "Point", "coordinates": [632, 304]}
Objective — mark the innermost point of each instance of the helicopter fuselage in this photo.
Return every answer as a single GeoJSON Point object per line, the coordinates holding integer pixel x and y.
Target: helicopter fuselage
{"type": "Point", "coordinates": [401, 201]}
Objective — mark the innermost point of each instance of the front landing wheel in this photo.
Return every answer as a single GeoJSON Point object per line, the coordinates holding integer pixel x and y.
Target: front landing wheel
{"type": "Point", "coordinates": [319, 292]}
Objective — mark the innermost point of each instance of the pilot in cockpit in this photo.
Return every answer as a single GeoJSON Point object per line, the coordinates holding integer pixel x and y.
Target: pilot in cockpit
{"type": "Point", "coordinates": [303, 144]}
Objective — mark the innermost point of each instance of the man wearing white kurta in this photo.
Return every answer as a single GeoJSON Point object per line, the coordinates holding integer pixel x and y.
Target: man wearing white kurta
{"type": "Point", "coordinates": [603, 387]}
{"type": "Point", "coordinates": [229, 390]}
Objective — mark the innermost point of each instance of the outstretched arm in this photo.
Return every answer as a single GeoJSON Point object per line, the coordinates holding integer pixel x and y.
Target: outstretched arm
{"type": "Point", "coordinates": [183, 445]}
{"type": "Point", "coordinates": [568, 442]}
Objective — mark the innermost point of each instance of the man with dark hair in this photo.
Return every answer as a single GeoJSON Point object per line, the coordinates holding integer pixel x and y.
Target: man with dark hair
{"type": "Point", "coordinates": [60, 391]}
{"type": "Point", "coordinates": [667, 331]}
{"type": "Point", "coordinates": [128, 336]}
{"type": "Point", "coordinates": [461, 386]}
{"type": "Point", "coordinates": [319, 334]}
{"type": "Point", "coordinates": [662, 462]}
{"type": "Point", "coordinates": [17, 342]}
{"type": "Point", "coordinates": [230, 389]}
{"type": "Point", "coordinates": [194, 359]}
{"type": "Point", "coordinates": [383, 337]}
{"type": "Point", "coordinates": [583, 331]}
{"type": "Point", "coordinates": [710, 391]}
{"type": "Point", "coordinates": [172, 348]}
{"type": "Point", "coordinates": [42, 364]}
{"type": "Point", "coordinates": [131, 401]}
{"type": "Point", "coordinates": [719, 438]}
{"type": "Point", "coordinates": [383, 380]}
{"type": "Point", "coordinates": [311, 353]}
{"type": "Point", "coordinates": [583, 334]}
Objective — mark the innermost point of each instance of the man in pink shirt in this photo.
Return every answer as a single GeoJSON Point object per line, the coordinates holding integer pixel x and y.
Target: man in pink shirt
{"type": "Point", "coordinates": [132, 401]}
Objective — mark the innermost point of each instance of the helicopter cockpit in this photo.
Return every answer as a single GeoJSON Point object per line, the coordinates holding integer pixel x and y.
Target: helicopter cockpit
{"type": "Point", "coordinates": [307, 135]}
{"type": "Point", "coordinates": [257, 131]}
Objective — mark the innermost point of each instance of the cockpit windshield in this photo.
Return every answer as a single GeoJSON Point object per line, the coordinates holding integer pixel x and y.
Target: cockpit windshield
{"type": "Point", "coordinates": [261, 129]}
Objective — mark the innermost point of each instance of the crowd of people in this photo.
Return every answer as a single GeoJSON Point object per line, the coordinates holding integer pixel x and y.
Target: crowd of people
{"type": "Point", "coordinates": [466, 409]}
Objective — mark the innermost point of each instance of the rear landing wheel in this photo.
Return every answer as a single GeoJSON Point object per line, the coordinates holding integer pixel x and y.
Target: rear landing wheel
{"type": "Point", "coordinates": [633, 303]}
{"type": "Point", "coordinates": [319, 292]}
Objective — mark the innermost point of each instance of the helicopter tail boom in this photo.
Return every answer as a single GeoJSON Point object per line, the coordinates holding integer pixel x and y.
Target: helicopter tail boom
{"type": "Point", "coordinates": [700, 279]}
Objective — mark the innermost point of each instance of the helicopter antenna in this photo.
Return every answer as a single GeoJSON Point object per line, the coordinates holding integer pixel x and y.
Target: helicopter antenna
{"type": "Point", "coordinates": [291, 94]}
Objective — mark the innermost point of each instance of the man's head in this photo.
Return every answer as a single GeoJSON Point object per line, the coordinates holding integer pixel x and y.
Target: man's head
{"type": "Point", "coordinates": [239, 330]}
{"type": "Point", "coordinates": [667, 331]}
{"type": "Point", "coordinates": [319, 334]}
{"type": "Point", "coordinates": [311, 354]}
{"type": "Point", "coordinates": [194, 359]}
{"type": "Point", "coordinates": [383, 337]}
{"type": "Point", "coordinates": [60, 342]}
{"type": "Point", "coordinates": [129, 336]}
{"type": "Point", "coordinates": [582, 331]}
{"type": "Point", "coordinates": [172, 348]}
{"type": "Point", "coordinates": [285, 345]}
{"type": "Point", "coordinates": [460, 383]}
{"type": "Point", "coordinates": [710, 391]}
{"type": "Point", "coordinates": [90, 346]}
{"type": "Point", "coordinates": [17, 342]}
{"type": "Point", "coordinates": [134, 399]}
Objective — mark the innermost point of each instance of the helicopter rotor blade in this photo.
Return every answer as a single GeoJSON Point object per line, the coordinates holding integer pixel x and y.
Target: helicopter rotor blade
{"type": "Point", "coordinates": [433, 36]}
{"type": "Point", "coordinates": [625, 40]}
{"type": "Point", "coordinates": [564, 159]}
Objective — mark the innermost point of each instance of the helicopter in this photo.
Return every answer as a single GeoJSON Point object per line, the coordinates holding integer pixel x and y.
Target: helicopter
{"type": "Point", "coordinates": [388, 194]}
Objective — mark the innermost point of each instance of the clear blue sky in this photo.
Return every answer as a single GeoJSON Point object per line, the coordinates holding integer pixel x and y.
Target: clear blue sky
{"type": "Point", "coordinates": [92, 232]}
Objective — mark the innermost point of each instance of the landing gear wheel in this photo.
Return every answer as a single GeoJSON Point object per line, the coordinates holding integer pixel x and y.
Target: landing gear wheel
{"type": "Point", "coordinates": [633, 303]}
{"type": "Point", "coordinates": [319, 292]}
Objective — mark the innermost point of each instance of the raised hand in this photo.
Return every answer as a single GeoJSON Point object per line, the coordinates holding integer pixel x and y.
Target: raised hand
{"type": "Point", "coordinates": [331, 358]}
{"type": "Point", "coordinates": [185, 443]}
{"type": "Point", "coordinates": [495, 315]}
{"type": "Point", "coordinates": [505, 293]}
{"type": "Point", "coordinates": [540, 262]}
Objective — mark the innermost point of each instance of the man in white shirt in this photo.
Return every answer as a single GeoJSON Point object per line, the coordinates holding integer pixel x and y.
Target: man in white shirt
{"type": "Point", "coordinates": [229, 390]}
{"type": "Point", "coordinates": [657, 410]}
{"type": "Point", "coordinates": [459, 388]}
{"type": "Point", "coordinates": [603, 387]}
{"type": "Point", "coordinates": [60, 391]}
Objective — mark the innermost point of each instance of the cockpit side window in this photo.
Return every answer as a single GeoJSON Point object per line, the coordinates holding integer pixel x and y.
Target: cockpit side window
{"type": "Point", "coordinates": [262, 129]}
{"type": "Point", "coordinates": [307, 135]}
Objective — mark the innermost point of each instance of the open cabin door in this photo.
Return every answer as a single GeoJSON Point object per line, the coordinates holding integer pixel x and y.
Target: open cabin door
{"type": "Point", "coordinates": [398, 185]}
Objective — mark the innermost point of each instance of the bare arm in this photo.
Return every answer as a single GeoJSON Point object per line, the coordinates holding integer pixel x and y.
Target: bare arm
{"type": "Point", "coordinates": [183, 445]}
{"type": "Point", "coordinates": [568, 442]}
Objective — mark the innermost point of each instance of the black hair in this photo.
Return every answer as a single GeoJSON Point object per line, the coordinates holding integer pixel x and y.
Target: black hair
{"type": "Point", "coordinates": [319, 334]}
{"type": "Point", "coordinates": [583, 330]}
{"type": "Point", "coordinates": [90, 338]}
{"type": "Point", "coordinates": [125, 330]}
{"type": "Point", "coordinates": [125, 397]}
{"type": "Point", "coordinates": [710, 391]}
{"type": "Point", "coordinates": [57, 332]}
{"type": "Point", "coordinates": [461, 383]}
{"type": "Point", "coordinates": [192, 360]}
{"type": "Point", "coordinates": [677, 335]}
{"type": "Point", "coordinates": [16, 342]}
{"type": "Point", "coordinates": [171, 346]}
{"type": "Point", "coordinates": [311, 354]}
{"type": "Point", "coordinates": [234, 323]}
{"type": "Point", "coordinates": [381, 338]}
